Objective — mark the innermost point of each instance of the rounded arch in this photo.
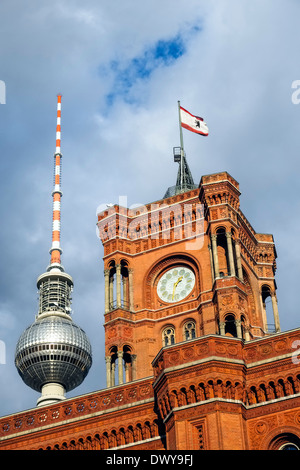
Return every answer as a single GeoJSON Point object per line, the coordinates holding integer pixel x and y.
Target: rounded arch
{"type": "Point", "coordinates": [219, 229]}
{"type": "Point", "coordinates": [113, 350]}
{"type": "Point", "coordinates": [112, 264]}
{"type": "Point", "coordinates": [266, 291]}
{"type": "Point", "coordinates": [127, 348]}
{"type": "Point", "coordinates": [280, 438]}
{"type": "Point", "coordinates": [124, 262]}
{"type": "Point", "coordinates": [125, 266]}
{"type": "Point", "coordinates": [168, 262]}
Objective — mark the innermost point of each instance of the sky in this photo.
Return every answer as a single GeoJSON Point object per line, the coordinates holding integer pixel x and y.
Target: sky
{"type": "Point", "coordinates": [121, 68]}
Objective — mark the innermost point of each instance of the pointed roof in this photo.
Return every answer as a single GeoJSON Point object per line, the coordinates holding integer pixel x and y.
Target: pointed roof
{"type": "Point", "coordinates": [184, 180]}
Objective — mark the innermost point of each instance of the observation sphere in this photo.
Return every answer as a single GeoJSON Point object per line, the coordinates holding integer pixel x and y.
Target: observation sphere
{"type": "Point", "coordinates": [53, 350]}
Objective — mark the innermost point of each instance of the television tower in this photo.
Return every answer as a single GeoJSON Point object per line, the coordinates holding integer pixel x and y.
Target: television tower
{"type": "Point", "coordinates": [53, 355]}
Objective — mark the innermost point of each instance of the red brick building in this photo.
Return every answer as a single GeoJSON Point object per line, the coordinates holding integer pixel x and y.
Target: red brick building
{"type": "Point", "coordinates": [192, 361]}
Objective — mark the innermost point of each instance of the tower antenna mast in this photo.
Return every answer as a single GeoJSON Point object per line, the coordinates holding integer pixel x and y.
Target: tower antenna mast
{"type": "Point", "coordinates": [56, 250]}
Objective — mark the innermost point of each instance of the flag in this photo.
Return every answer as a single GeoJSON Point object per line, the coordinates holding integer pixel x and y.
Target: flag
{"type": "Point", "coordinates": [193, 123]}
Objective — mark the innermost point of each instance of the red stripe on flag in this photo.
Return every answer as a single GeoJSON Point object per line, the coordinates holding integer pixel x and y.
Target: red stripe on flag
{"type": "Point", "coordinates": [193, 130]}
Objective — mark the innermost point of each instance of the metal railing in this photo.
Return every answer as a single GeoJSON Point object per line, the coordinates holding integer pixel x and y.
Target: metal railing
{"type": "Point", "coordinates": [123, 304]}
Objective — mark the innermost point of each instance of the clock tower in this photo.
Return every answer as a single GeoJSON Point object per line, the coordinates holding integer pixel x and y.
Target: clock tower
{"type": "Point", "coordinates": [184, 267]}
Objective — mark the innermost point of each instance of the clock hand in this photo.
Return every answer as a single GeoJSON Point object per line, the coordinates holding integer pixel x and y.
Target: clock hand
{"type": "Point", "coordinates": [174, 290]}
{"type": "Point", "coordinates": [175, 285]}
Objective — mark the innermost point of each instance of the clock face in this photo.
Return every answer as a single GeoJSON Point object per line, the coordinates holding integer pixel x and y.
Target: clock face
{"type": "Point", "coordinates": [175, 284]}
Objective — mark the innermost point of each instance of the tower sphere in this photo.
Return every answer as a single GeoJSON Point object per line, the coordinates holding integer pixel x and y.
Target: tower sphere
{"type": "Point", "coordinates": [53, 350]}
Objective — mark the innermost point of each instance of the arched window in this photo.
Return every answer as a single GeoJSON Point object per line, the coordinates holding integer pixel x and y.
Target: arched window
{"type": "Point", "coordinates": [269, 293]}
{"type": "Point", "coordinates": [222, 252]}
{"type": "Point", "coordinates": [230, 326]}
{"type": "Point", "coordinates": [120, 365]}
{"type": "Point", "coordinates": [168, 336]}
{"type": "Point", "coordinates": [125, 285]}
{"type": "Point", "coordinates": [129, 364]}
{"type": "Point", "coordinates": [225, 253]}
{"type": "Point", "coordinates": [189, 330]}
{"type": "Point", "coordinates": [112, 283]}
{"type": "Point", "coordinates": [113, 364]}
{"type": "Point", "coordinates": [117, 286]}
{"type": "Point", "coordinates": [285, 441]}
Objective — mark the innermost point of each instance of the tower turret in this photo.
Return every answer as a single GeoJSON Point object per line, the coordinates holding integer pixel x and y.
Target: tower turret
{"type": "Point", "coordinates": [53, 355]}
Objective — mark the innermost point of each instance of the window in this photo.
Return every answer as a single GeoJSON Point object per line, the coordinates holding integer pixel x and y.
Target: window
{"type": "Point", "coordinates": [285, 441]}
{"type": "Point", "coordinates": [168, 336]}
{"type": "Point", "coordinates": [189, 330]}
{"type": "Point", "coordinates": [230, 326]}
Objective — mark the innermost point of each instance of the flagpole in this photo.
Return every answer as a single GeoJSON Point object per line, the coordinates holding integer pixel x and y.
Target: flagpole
{"type": "Point", "coordinates": [181, 145]}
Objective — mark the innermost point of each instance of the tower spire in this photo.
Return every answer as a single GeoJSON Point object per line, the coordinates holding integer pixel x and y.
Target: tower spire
{"type": "Point", "coordinates": [55, 249]}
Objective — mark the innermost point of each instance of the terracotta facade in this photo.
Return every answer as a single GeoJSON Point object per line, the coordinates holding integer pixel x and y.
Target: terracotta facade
{"type": "Point", "coordinates": [188, 368]}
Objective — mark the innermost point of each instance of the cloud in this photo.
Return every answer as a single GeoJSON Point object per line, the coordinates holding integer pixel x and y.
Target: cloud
{"type": "Point", "coordinates": [127, 73]}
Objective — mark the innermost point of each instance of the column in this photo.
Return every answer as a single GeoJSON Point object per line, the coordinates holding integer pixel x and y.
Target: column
{"type": "Point", "coordinates": [238, 260]}
{"type": "Point", "coordinates": [111, 292]}
{"type": "Point", "coordinates": [238, 328]}
{"type": "Point", "coordinates": [120, 367]}
{"type": "Point", "coordinates": [230, 254]}
{"type": "Point", "coordinates": [118, 285]}
{"type": "Point", "coordinates": [211, 263]}
{"type": "Point", "coordinates": [222, 328]}
{"type": "Point", "coordinates": [113, 373]}
{"type": "Point", "coordinates": [108, 371]}
{"type": "Point", "coordinates": [275, 312]}
{"type": "Point", "coordinates": [125, 292]}
{"type": "Point", "coordinates": [133, 366]}
{"type": "Point", "coordinates": [215, 255]}
{"type": "Point", "coordinates": [130, 281]}
{"type": "Point", "coordinates": [246, 333]}
{"type": "Point", "coordinates": [106, 290]}
{"type": "Point", "coordinates": [264, 314]}
{"type": "Point", "coordinates": [127, 372]}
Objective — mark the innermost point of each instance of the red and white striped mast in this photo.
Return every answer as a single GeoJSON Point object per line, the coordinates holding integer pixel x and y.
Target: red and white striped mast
{"type": "Point", "coordinates": [53, 329]}
{"type": "Point", "coordinates": [55, 249]}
